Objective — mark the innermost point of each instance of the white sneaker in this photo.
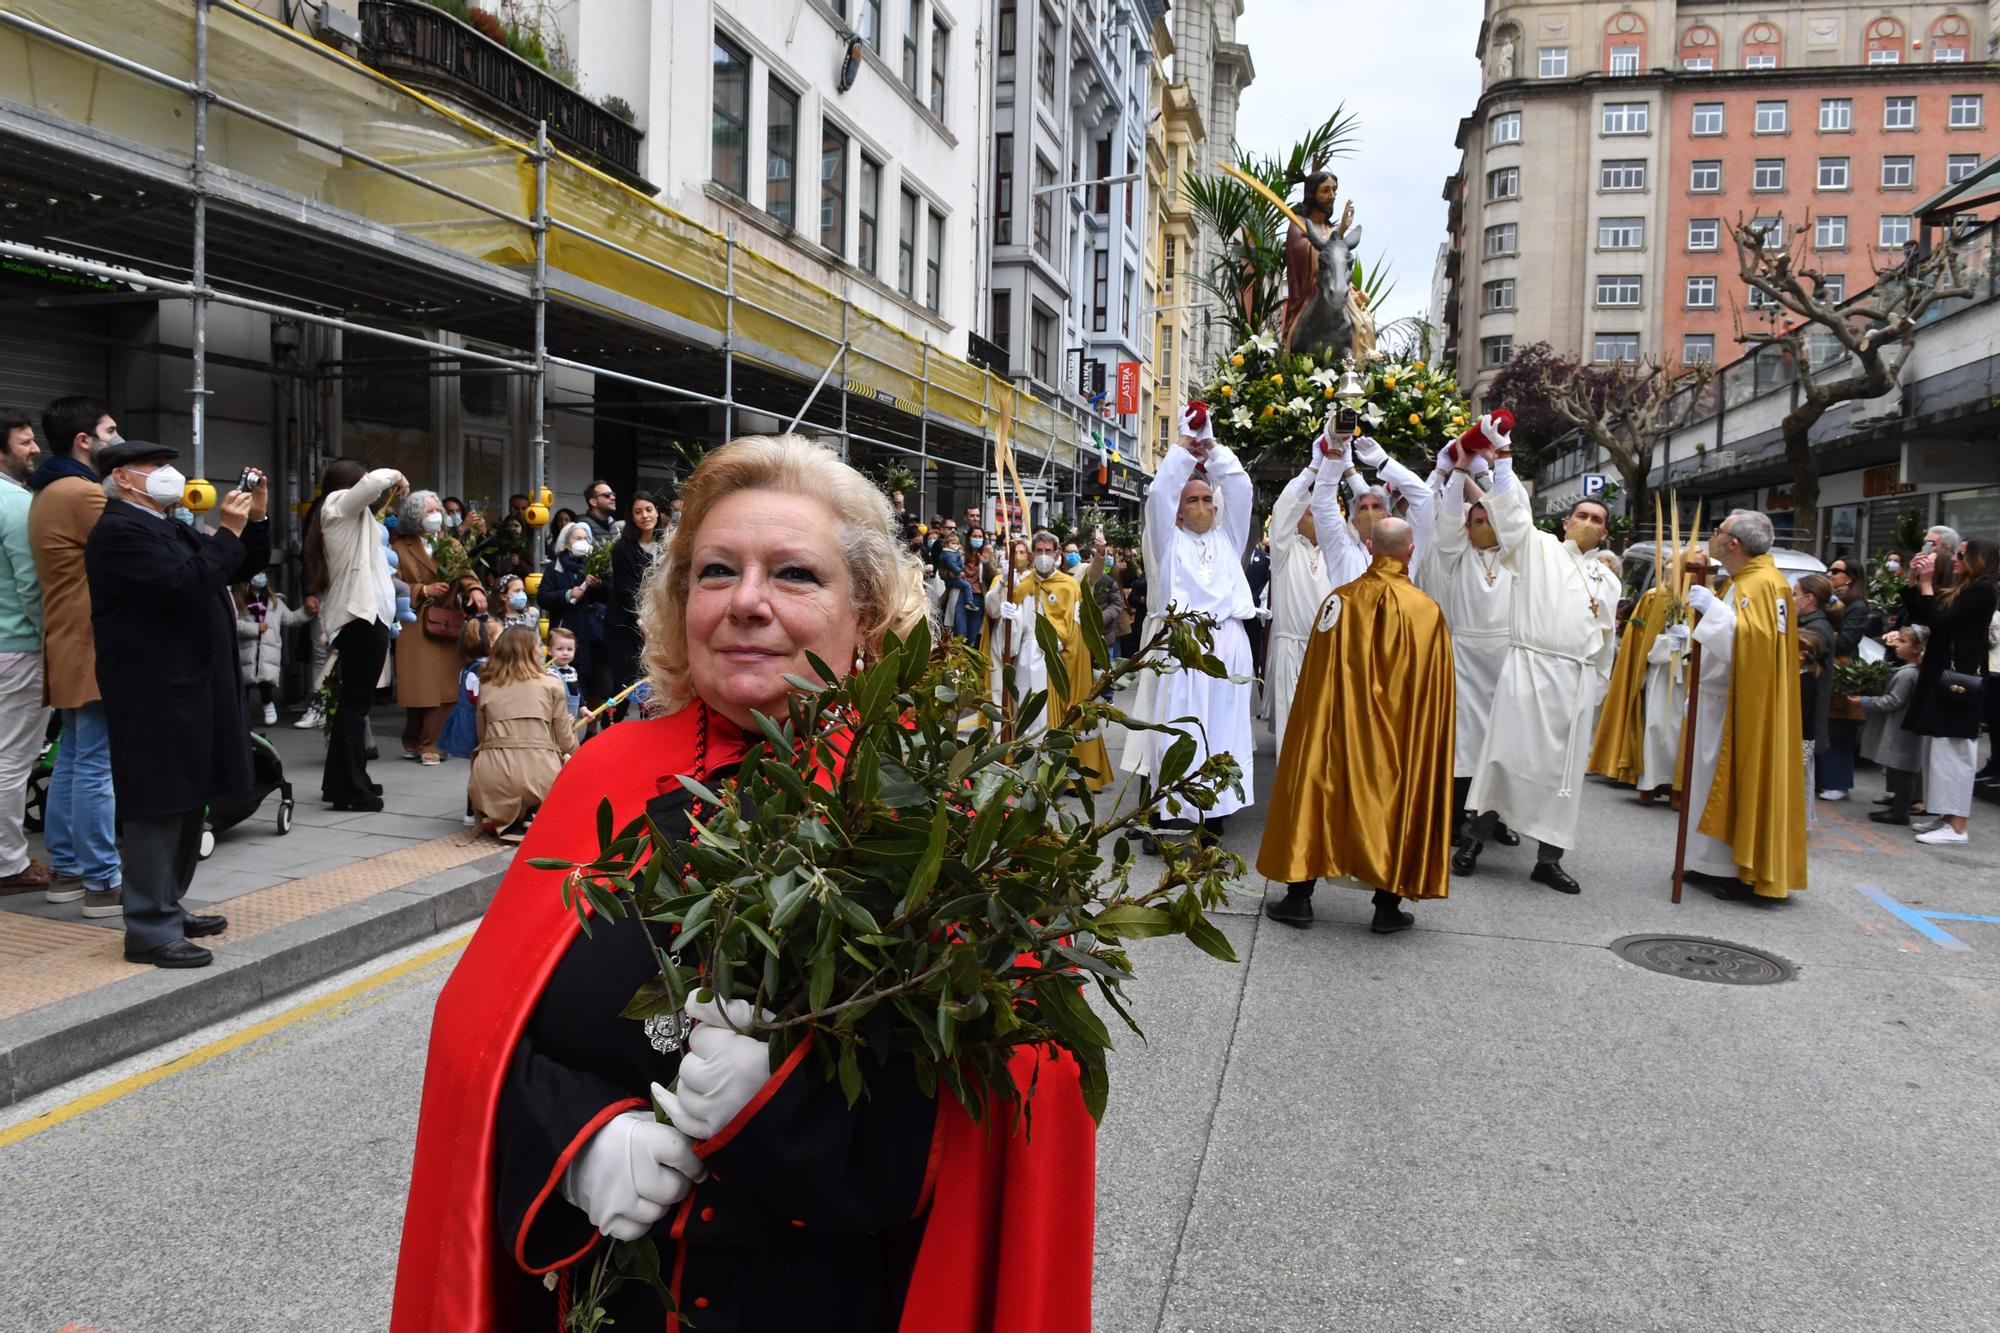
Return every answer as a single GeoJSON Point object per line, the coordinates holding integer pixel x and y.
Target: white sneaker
{"type": "Point", "coordinates": [311, 721]}
{"type": "Point", "coordinates": [270, 714]}
{"type": "Point", "coordinates": [1944, 835]}
{"type": "Point", "coordinates": [1833, 796]}
{"type": "Point", "coordinates": [1920, 824]}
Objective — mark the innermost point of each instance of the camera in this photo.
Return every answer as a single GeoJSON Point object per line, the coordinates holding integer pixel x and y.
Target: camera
{"type": "Point", "coordinates": [1347, 421]}
{"type": "Point", "coordinates": [250, 480]}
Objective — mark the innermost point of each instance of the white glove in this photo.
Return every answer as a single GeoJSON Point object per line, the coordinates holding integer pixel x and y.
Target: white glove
{"type": "Point", "coordinates": [1480, 466]}
{"type": "Point", "coordinates": [1369, 452]}
{"type": "Point", "coordinates": [630, 1173]}
{"type": "Point", "coordinates": [1677, 635]}
{"type": "Point", "coordinates": [1701, 598]}
{"type": "Point", "coordinates": [1337, 452]}
{"type": "Point", "coordinates": [722, 1070]}
{"type": "Point", "coordinates": [1494, 435]}
{"type": "Point", "coordinates": [1010, 610]}
{"type": "Point", "coordinates": [1264, 613]}
{"type": "Point", "coordinates": [1447, 460]}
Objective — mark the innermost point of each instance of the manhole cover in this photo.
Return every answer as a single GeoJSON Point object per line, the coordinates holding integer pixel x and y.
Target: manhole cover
{"type": "Point", "coordinates": [1704, 960]}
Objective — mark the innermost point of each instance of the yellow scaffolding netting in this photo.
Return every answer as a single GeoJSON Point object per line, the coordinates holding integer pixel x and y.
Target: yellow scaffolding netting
{"type": "Point", "coordinates": [254, 60]}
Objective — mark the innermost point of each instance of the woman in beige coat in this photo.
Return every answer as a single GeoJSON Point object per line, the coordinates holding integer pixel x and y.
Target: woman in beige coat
{"type": "Point", "coordinates": [427, 668]}
{"type": "Point", "coordinates": [525, 733]}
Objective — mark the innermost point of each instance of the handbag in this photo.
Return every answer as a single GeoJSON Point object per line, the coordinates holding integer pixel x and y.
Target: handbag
{"type": "Point", "coordinates": [1966, 689]}
{"type": "Point", "coordinates": [443, 622]}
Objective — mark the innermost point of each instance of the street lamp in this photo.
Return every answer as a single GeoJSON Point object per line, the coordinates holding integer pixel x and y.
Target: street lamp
{"type": "Point", "coordinates": [1078, 185]}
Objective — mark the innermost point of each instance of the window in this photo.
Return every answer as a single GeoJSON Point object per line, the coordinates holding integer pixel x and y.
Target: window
{"type": "Point", "coordinates": [1887, 55]}
{"type": "Point", "coordinates": [1503, 184]}
{"type": "Point", "coordinates": [1172, 262]}
{"type": "Point", "coordinates": [1899, 173]}
{"type": "Point", "coordinates": [1833, 173]}
{"type": "Point", "coordinates": [906, 247]}
{"type": "Point", "coordinates": [1621, 233]}
{"type": "Point", "coordinates": [1039, 338]}
{"type": "Point", "coordinates": [1701, 293]}
{"type": "Point", "coordinates": [1830, 231]}
{"type": "Point", "coordinates": [1763, 61]}
{"type": "Point", "coordinates": [1968, 111]}
{"type": "Point", "coordinates": [1948, 55]}
{"type": "Point", "coordinates": [933, 259]}
{"type": "Point", "coordinates": [1131, 187]}
{"type": "Point", "coordinates": [868, 24]}
{"type": "Point", "coordinates": [1166, 356]}
{"type": "Point", "coordinates": [1125, 291]}
{"type": "Point", "coordinates": [1007, 36]}
{"type": "Point", "coordinates": [1624, 60]}
{"type": "Point", "coordinates": [1502, 240]}
{"type": "Point", "coordinates": [1698, 64]}
{"type": "Point", "coordinates": [1498, 295]}
{"type": "Point", "coordinates": [1697, 349]}
{"type": "Point", "coordinates": [1001, 327]}
{"type": "Point", "coordinates": [1958, 166]}
{"type": "Point", "coordinates": [833, 189]}
{"type": "Point", "coordinates": [1705, 177]}
{"type": "Point", "coordinates": [1100, 290]}
{"type": "Point", "coordinates": [940, 57]}
{"type": "Point", "coordinates": [1758, 299]}
{"type": "Point", "coordinates": [1899, 113]}
{"type": "Point", "coordinates": [1768, 174]}
{"type": "Point", "coordinates": [1555, 62]}
{"type": "Point", "coordinates": [1505, 128]}
{"type": "Point", "coordinates": [1771, 230]}
{"type": "Point", "coordinates": [1833, 288]}
{"type": "Point", "coordinates": [1495, 352]}
{"type": "Point", "coordinates": [1771, 117]}
{"type": "Point", "coordinates": [1895, 229]}
{"type": "Point", "coordinates": [1615, 347]}
{"type": "Point", "coordinates": [781, 154]}
{"type": "Point", "coordinates": [1619, 289]}
{"type": "Point", "coordinates": [1624, 117]}
{"type": "Point", "coordinates": [913, 33]}
{"type": "Point", "coordinates": [1003, 189]}
{"type": "Point", "coordinates": [871, 209]}
{"type": "Point", "coordinates": [1045, 178]}
{"type": "Point", "coordinates": [729, 136]}
{"type": "Point", "coordinates": [1622, 174]}
{"type": "Point", "coordinates": [1707, 118]}
{"type": "Point", "coordinates": [1704, 233]}
{"type": "Point", "coordinates": [1100, 193]}
{"type": "Point", "coordinates": [1045, 59]}
{"type": "Point", "coordinates": [1836, 114]}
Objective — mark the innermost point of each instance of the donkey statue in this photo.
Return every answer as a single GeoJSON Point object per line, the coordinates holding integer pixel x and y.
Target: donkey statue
{"type": "Point", "coordinates": [1324, 329]}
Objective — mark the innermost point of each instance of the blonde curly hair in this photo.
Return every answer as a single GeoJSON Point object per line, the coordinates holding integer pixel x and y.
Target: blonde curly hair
{"type": "Point", "coordinates": [887, 580]}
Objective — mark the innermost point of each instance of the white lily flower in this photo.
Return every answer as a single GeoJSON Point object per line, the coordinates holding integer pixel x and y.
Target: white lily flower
{"type": "Point", "coordinates": [1240, 418]}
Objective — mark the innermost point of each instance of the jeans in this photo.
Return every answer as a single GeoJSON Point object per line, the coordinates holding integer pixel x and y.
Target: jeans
{"type": "Point", "coordinates": [81, 832]}
{"type": "Point", "coordinates": [23, 724]}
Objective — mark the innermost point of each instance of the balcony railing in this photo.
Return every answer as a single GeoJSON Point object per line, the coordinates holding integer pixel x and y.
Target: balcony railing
{"type": "Point", "coordinates": [432, 51]}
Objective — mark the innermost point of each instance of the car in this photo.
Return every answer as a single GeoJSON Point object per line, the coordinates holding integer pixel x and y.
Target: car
{"type": "Point", "coordinates": [1638, 560]}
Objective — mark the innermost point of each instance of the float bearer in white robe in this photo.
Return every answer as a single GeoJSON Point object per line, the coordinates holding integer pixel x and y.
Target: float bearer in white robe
{"type": "Point", "coordinates": [1197, 528]}
{"type": "Point", "coordinates": [1561, 643]}
{"type": "Point", "coordinates": [1667, 692]}
{"type": "Point", "coordinates": [1298, 585]}
{"type": "Point", "coordinates": [1467, 573]}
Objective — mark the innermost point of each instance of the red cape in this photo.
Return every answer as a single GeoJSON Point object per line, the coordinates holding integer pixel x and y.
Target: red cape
{"type": "Point", "coordinates": [1001, 1202]}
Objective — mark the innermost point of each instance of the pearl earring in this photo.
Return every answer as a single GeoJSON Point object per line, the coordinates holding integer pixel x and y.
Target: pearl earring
{"type": "Point", "coordinates": [860, 660]}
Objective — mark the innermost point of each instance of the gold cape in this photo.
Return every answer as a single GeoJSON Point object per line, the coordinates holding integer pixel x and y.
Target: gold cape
{"type": "Point", "coordinates": [1058, 597]}
{"type": "Point", "coordinates": [1757, 803]}
{"type": "Point", "coordinates": [1364, 779]}
{"type": "Point", "coordinates": [1619, 750]}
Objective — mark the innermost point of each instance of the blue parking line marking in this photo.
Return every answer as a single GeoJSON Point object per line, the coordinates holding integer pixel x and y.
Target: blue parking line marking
{"type": "Point", "coordinates": [1962, 916]}
{"type": "Point", "coordinates": [1921, 921]}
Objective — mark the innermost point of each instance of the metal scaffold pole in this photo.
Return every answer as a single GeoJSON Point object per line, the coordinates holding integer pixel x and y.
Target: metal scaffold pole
{"type": "Point", "coordinates": [729, 335]}
{"type": "Point", "coordinates": [924, 423]}
{"type": "Point", "coordinates": [198, 388]}
{"type": "Point", "coordinates": [540, 463]}
{"type": "Point", "coordinates": [846, 319]}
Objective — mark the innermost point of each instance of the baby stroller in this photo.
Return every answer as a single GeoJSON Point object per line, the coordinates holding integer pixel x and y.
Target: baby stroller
{"type": "Point", "coordinates": [34, 814]}
{"type": "Point", "coordinates": [268, 775]}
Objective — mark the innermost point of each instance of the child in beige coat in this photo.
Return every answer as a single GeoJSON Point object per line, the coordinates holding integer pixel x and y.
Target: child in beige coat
{"type": "Point", "coordinates": [525, 734]}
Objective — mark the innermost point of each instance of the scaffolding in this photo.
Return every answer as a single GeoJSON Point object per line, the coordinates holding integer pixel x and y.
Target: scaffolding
{"type": "Point", "coordinates": [319, 190]}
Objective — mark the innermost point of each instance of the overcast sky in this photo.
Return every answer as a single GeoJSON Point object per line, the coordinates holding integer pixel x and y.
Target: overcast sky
{"type": "Point", "coordinates": [1313, 54]}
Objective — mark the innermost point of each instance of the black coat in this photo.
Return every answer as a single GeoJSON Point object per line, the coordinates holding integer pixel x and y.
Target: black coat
{"type": "Point", "coordinates": [1858, 621]}
{"type": "Point", "coordinates": [166, 657]}
{"type": "Point", "coordinates": [1816, 687]}
{"type": "Point", "coordinates": [1957, 643]}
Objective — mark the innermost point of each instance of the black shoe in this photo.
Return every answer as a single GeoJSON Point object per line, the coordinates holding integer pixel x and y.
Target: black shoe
{"type": "Point", "coordinates": [364, 804]}
{"type": "Point", "coordinates": [1552, 874]}
{"type": "Point", "coordinates": [1505, 836]}
{"type": "Point", "coordinates": [1721, 881]}
{"type": "Point", "coordinates": [1483, 826]}
{"type": "Point", "coordinates": [1885, 800]}
{"type": "Point", "coordinates": [374, 789]}
{"type": "Point", "coordinates": [1389, 915]}
{"type": "Point", "coordinates": [197, 926]}
{"type": "Point", "coordinates": [1212, 830]}
{"type": "Point", "coordinates": [174, 953]}
{"type": "Point", "coordinates": [1465, 860]}
{"type": "Point", "coordinates": [1888, 816]}
{"type": "Point", "coordinates": [1294, 909]}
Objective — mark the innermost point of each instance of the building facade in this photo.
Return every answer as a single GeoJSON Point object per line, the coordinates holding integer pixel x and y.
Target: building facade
{"type": "Point", "coordinates": [1176, 141]}
{"type": "Point", "coordinates": [1614, 145]}
{"type": "Point", "coordinates": [1216, 68]}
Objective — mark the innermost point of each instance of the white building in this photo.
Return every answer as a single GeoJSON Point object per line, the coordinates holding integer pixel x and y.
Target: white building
{"type": "Point", "coordinates": [1216, 68]}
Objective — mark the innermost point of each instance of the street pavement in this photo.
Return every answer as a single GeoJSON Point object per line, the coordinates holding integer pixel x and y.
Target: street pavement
{"type": "Point", "coordinates": [1489, 1122]}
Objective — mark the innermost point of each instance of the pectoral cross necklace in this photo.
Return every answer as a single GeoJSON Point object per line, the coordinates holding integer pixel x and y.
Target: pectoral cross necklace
{"type": "Point", "coordinates": [1488, 565]}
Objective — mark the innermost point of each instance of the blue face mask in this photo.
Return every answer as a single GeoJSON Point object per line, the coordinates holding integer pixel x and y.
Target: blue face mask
{"type": "Point", "coordinates": [389, 522]}
{"type": "Point", "coordinates": [978, 543]}
{"type": "Point", "coordinates": [1072, 560]}
{"type": "Point", "coordinates": [259, 581]}
{"type": "Point", "coordinates": [517, 601]}
{"type": "Point", "coordinates": [184, 515]}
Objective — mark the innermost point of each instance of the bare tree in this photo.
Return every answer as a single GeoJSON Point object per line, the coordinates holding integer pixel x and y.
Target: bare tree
{"type": "Point", "coordinates": [1626, 409]}
{"type": "Point", "coordinates": [1874, 335]}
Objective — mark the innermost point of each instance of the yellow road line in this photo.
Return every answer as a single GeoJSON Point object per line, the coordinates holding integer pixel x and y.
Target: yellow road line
{"type": "Point", "coordinates": [235, 1041]}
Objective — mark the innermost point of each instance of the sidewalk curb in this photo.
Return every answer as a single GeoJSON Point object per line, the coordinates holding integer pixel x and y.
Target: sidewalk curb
{"type": "Point", "coordinates": [49, 1046]}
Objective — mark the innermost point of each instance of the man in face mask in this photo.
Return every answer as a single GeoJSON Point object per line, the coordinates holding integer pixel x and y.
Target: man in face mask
{"type": "Point", "coordinates": [172, 682]}
{"type": "Point", "coordinates": [1048, 593]}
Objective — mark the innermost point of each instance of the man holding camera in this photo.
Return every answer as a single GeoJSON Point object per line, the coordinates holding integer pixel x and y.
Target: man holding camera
{"type": "Point", "coordinates": [172, 686]}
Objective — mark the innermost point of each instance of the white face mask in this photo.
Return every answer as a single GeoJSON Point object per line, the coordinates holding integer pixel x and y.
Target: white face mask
{"type": "Point", "coordinates": [1894, 565]}
{"type": "Point", "coordinates": [579, 548]}
{"type": "Point", "coordinates": [453, 520]}
{"type": "Point", "coordinates": [1045, 565]}
{"type": "Point", "coordinates": [164, 484]}
{"type": "Point", "coordinates": [434, 522]}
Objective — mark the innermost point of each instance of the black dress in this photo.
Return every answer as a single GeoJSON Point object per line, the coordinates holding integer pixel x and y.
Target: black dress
{"type": "Point", "coordinates": [623, 642]}
{"type": "Point", "coordinates": [1957, 643]}
{"type": "Point", "coordinates": [808, 1220]}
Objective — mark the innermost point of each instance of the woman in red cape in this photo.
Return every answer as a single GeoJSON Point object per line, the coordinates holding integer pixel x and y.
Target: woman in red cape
{"type": "Point", "coordinates": [794, 1211]}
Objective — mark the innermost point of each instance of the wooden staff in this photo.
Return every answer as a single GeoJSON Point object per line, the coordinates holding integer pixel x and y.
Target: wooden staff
{"type": "Point", "coordinates": [587, 718]}
{"type": "Point", "coordinates": [1686, 582]}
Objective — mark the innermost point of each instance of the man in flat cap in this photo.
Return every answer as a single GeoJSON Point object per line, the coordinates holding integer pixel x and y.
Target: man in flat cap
{"type": "Point", "coordinates": [172, 686]}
